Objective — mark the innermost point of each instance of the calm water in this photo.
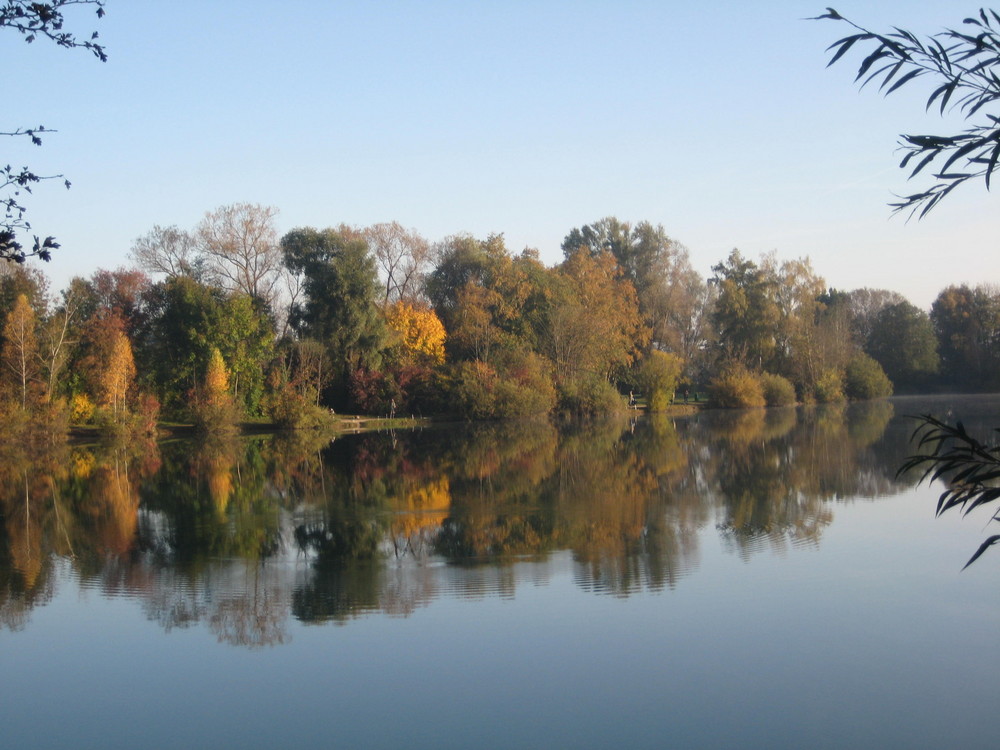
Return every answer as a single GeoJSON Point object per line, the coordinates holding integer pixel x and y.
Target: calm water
{"type": "Point", "coordinates": [753, 580]}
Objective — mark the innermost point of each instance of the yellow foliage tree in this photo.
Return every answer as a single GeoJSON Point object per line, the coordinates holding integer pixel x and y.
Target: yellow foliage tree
{"type": "Point", "coordinates": [420, 330]}
{"type": "Point", "coordinates": [118, 374]}
{"type": "Point", "coordinates": [20, 351]}
{"type": "Point", "coordinates": [214, 406]}
{"type": "Point", "coordinates": [216, 379]}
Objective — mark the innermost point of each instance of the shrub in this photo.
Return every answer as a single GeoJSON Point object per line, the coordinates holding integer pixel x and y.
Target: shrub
{"type": "Point", "coordinates": [829, 387]}
{"type": "Point", "coordinates": [865, 379]}
{"type": "Point", "coordinates": [737, 388]}
{"type": "Point", "coordinates": [146, 414]}
{"type": "Point", "coordinates": [473, 388]}
{"type": "Point", "coordinates": [590, 395]}
{"type": "Point", "coordinates": [658, 375]}
{"type": "Point", "coordinates": [519, 386]}
{"type": "Point", "coordinates": [81, 409]}
{"type": "Point", "coordinates": [778, 391]}
{"type": "Point", "coordinates": [525, 386]}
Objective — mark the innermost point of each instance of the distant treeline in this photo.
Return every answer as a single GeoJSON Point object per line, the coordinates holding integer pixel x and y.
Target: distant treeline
{"type": "Point", "coordinates": [229, 321]}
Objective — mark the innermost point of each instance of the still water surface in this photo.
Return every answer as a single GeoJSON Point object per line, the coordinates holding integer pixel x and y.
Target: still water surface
{"type": "Point", "coordinates": [755, 579]}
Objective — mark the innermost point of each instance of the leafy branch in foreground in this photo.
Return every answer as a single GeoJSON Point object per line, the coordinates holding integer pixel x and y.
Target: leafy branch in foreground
{"type": "Point", "coordinates": [969, 468]}
{"type": "Point", "coordinates": [18, 181]}
{"type": "Point", "coordinates": [966, 70]}
{"type": "Point", "coordinates": [46, 20]}
{"type": "Point", "coordinates": [35, 20]}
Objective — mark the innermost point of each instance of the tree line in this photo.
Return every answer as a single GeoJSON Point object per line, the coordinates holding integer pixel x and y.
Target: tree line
{"type": "Point", "coordinates": [228, 321]}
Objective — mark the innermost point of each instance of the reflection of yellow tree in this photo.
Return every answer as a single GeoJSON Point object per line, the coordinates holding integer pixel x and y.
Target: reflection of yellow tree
{"type": "Point", "coordinates": [214, 460]}
{"type": "Point", "coordinates": [419, 511]}
{"type": "Point", "coordinates": [218, 469]}
{"type": "Point", "coordinates": [103, 488]}
{"type": "Point", "coordinates": [33, 520]}
{"type": "Point", "coordinates": [114, 505]}
{"type": "Point", "coordinates": [24, 534]}
{"type": "Point", "coordinates": [869, 420]}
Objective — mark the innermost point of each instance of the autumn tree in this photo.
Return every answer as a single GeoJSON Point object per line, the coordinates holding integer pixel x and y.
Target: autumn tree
{"type": "Point", "coordinates": [110, 365]}
{"type": "Point", "coordinates": [474, 330]}
{"type": "Point", "coordinates": [658, 376]}
{"type": "Point", "coordinates": [967, 325]}
{"type": "Point", "coordinates": [20, 352]}
{"type": "Point", "coordinates": [481, 275]}
{"type": "Point", "coordinates": [421, 333]}
{"type": "Point", "coordinates": [495, 309]}
{"type": "Point", "coordinates": [596, 327]}
{"type": "Point", "coordinates": [119, 374]}
{"type": "Point", "coordinates": [307, 368]}
{"type": "Point", "coordinates": [214, 408]}
{"type": "Point", "coordinates": [667, 288]}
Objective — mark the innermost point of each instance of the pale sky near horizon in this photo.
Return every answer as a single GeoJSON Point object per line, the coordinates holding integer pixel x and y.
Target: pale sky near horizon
{"type": "Point", "coordinates": [718, 120]}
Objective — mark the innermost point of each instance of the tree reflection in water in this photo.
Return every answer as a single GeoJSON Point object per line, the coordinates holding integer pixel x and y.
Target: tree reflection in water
{"type": "Point", "coordinates": [242, 534]}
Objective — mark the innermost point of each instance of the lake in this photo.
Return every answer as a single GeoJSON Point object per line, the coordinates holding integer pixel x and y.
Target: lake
{"type": "Point", "coordinates": [756, 579]}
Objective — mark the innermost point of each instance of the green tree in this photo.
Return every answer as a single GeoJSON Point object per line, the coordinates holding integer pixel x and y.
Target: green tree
{"type": "Point", "coordinates": [478, 284]}
{"type": "Point", "coordinates": [746, 317]}
{"type": "Point", "coordinates": [185, 320]}
{"type": "Point", "coordinates": [341, 291]}
{"type": "Point", "coordinates": [967, 324]}
{"type": "Point", "coordinates": [965, 70]}
{"type": "Point", "coordinates": [903, 342]}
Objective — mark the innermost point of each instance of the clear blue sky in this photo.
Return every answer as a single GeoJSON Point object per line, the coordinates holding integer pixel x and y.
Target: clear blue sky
{"type": "Point", "coordinates": [718, 120]}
